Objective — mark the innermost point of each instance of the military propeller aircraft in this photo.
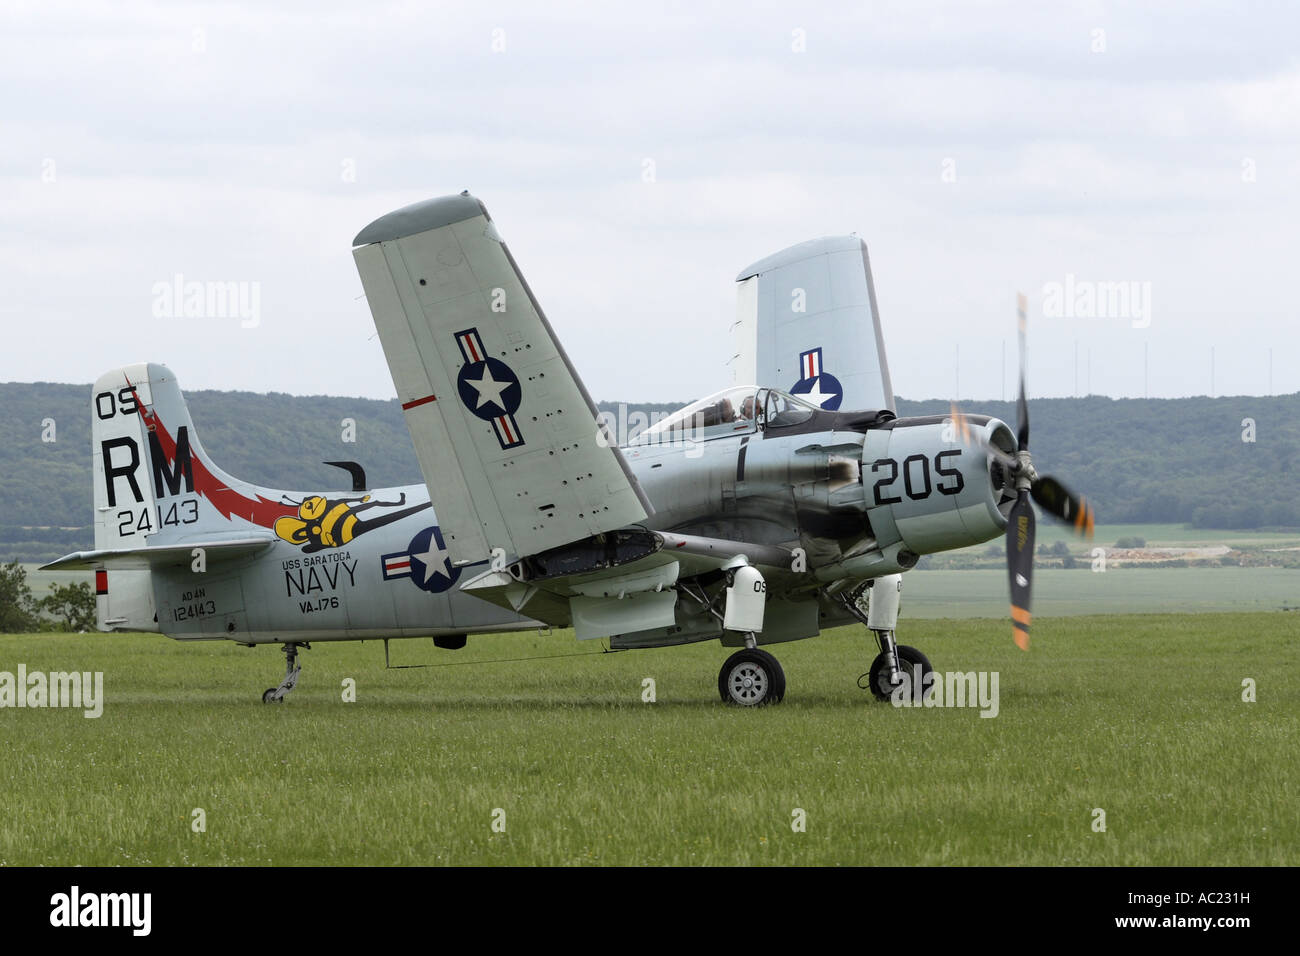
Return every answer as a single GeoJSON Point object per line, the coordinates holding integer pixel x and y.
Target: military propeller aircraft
{"type": "Point", "coordinates": [755, 516]}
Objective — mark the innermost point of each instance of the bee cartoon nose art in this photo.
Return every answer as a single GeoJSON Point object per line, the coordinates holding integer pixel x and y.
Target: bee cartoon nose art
{"type": "Point", "coordinates": [333, 522]}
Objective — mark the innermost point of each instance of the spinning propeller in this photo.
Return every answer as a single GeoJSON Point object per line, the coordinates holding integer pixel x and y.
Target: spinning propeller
{"type": "Point", "coordinates": [1052, 496]}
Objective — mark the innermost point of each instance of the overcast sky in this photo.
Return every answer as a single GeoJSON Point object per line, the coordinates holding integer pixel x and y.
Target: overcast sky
{"type": "Point", "coordinates": [979, 148]}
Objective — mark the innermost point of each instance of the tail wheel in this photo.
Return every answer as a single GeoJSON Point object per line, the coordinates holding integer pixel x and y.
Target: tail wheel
{"type": "Point", "coordinates": [751, 678]}
{"type": "Point", "coordinates": [916, 664]}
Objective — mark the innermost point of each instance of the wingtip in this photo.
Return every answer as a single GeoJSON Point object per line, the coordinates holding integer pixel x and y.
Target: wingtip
{"type": "Point", "coordinates": [421, 217]}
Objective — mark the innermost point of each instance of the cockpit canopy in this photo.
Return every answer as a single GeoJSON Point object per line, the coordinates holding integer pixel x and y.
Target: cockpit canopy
{"type": "Point", "coordinates": [738, 410]}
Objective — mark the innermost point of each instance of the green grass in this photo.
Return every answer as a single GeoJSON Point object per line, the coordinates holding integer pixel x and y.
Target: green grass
{"type": "Point", "coordinates": [1141, 716]}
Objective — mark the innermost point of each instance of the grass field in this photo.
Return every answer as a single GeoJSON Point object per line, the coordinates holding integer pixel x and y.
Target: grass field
{"type": "Point", "coordinates": [1140, 715]}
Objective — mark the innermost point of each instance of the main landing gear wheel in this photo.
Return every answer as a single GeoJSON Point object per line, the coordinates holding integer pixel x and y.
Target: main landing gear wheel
{"type": "Point", "coordinates": [916, 664]}
{"type": "Point", "coordinates": [292, 668]}
{"type": "Point", "coordinates": [751, 678]}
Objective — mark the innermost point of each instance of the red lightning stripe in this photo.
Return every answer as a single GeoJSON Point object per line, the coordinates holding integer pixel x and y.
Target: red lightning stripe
{"type": "Point", "coordinates": [260, 511]}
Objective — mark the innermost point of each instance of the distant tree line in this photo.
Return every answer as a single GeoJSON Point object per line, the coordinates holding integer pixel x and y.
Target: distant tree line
{"type": "Point", "coordinates": [1159, 460]}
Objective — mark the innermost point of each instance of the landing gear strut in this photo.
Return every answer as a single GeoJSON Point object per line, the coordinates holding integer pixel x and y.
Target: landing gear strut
{"type": "Point", "coordinates": [291, 670]}
{"type": "Point", "coordinates": [889, 666]}
{"type": "Point", "coordinates": [750, 677]}
{"type": "Point", "coordinates": [895, 660]}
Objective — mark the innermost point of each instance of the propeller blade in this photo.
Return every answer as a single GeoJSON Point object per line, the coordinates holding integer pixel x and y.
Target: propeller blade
{"type": "Point", "coordinates": [1020, 566]}
{"type": "Point", "coordinates": [1022, 405]}
{"type": "Point", "coordinates": [1060, 501]}
{"type": "Point", "coordinates": [966, 434]}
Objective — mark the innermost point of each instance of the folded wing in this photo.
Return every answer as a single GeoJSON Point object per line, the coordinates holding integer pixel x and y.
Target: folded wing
{"type": "Point", "coordinates": [807, 322]}
{"type": "Point", "coordinates": [505, 433]}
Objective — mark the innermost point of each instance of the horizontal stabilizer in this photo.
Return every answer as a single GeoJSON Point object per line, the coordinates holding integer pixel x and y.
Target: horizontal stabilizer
{"type": "Point", "coordinates": [163, 556]}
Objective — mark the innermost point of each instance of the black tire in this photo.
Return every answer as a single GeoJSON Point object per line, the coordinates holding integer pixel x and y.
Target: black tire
{"type": "Point", "coordinates": [751, 679]}
{"type": "Point", "coordinates": [266, 696]}
{"type": "Point", "coordinates": [909, 658]}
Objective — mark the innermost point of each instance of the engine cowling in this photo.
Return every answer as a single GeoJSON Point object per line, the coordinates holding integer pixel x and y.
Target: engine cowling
{"type": "Point", "coordinates": [929, 490]}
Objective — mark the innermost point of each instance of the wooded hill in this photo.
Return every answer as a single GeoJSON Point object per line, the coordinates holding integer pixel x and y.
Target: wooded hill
{"type": "Point", "coordinates": [1138, 460]}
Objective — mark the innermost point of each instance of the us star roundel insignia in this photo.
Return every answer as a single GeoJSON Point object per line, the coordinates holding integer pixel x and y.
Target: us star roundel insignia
{"type": "Point", "coordinates": [489, 389]}
{"type": "Point", "coordinates": [425, 561]}
{"type": "Point", "coordinates": [819, 387]}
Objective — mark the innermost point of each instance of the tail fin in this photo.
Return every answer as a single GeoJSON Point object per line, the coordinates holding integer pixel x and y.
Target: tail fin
{"type": "Point", "coordinates": [154, 484]}
{"type": "Point", "coordinates": [806, 321]}
{"type": "Point", "coordinates": [155, 488]}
